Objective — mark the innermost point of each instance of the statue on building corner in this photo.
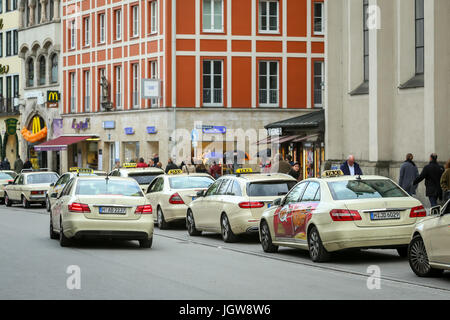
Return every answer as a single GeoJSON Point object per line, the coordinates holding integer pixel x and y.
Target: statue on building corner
{"type": "Point", "coordinates": [106, 102]}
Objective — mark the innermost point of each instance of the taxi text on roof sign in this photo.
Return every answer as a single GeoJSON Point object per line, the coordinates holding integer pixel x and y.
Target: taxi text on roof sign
{"type": "Point", "coordinates": [332, 173]}
{"type": "Point", "coordinates": [73, 169]}
{"type": "Point", "coordinates": [85, 170]}
{"type": "Point", "coordinates": [244, 170]}
{"type": "Point", "coordinates": [129, 165]}
{"type": "Point", "coordinates": [175, 171]}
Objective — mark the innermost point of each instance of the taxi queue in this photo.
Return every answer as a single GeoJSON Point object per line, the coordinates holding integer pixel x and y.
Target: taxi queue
{"type": "Point", "coordinates": [321, 215]}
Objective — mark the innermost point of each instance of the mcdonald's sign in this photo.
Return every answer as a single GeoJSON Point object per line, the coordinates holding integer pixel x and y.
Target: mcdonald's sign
{"type": "Point", "coordinates": [52, 96]}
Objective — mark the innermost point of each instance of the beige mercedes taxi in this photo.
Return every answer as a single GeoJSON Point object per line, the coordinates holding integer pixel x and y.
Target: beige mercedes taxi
{"type": "Point", "coordinates": [234, 203]}
{"type": "Point", "coordinates": [143, 176]}
{"type": "Point", "coordinates": [429, 249]}
{"type": "Point", "coordinates": [101, 207]}
{"type": "Point", "coordinates": [171, 194]}
{"type": "Point", "coordinates": [6, 176]}
{"type": "Point", "coordinates": [340, 212]}
{"type": "Point", "coordinates": [29, 187]}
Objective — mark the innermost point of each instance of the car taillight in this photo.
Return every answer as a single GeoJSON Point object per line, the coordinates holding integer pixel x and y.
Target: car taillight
{"type": "Point", "coordinates": [176, 199]}
{"type": "Point", "coordinates": [79, 207]}
{"type": "Point", "coordinates": [37, 192]}
{"type": "Point", "coordinates": [418, 212]}
{"type": "Point", "coordinates": [145, 209]}
{"type": "Point", "coordinates": [344, 215]}
{"type": "Point", "coordinates": [251, 205]}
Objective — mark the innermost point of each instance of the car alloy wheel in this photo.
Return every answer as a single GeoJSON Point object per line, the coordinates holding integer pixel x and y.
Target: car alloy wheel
{"type": "Point", "coordinates": [53, 234]}
{"type": "Point", "coordinates": [47, 204]}
{"type": "Point", "coordinates": [25, 202]}
{"type": "Point", "coordinates": [160, 219]}
{"type": "Point", "coordinates": [7, 201]}
{"type": "Point", "coordinates": [190, 224]}
{"type": "Point", "coordinates": [266, 239]}
{"type": "Point", "coordinates": [317, 251]}
{"type": "Point", "coordinates": [418, 259]}
{"type": "Point", "coordinates": [227, 233]}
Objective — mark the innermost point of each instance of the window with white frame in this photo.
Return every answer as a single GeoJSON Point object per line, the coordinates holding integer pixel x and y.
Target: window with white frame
{"type": "Point", "coordinates": [118, 24]}
{"type": "Point", "coordinates": [366, 40]}
{"type": "Point", "coordinates": [154, 17]}
{"type": "Point", "coordinates": [135, 27]}
{"type": "Point", "coordinates": [73, 31]}
{"type": "Point", "coordinates": [319, 26]}
{"type": "Point", "coordinates": [73, 93]}
{"type": "Point", "coordinates": [268, 15]}
{"type": "Point", "coordinates": [420, 43]}
{"type": "Point", "coordinates": [135, 102]}
{"type": "Point", "coordinates": [268, 83]}
{"type": "Point", "coordinates": [102, 28]}
{"type": "Point", "coordinates": [87, 31]}
{"type": "Point", "coordinates": [87, 91]}
{"type": "Point", "coordinates": [118, 71]}
{"type": "Point", "coordinates": [154, 75]}
{"type": "Point", "coordinates": [319, 81]}
{"type": "Point", "coordinates": [213, 15]}
{"type": "Point", "coordinates": [213, 83]}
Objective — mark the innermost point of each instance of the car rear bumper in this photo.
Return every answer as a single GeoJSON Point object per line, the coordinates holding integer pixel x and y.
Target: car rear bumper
{"type": "Point", "coordinates": [174, 212]}
{"type": "Point", "coordinates": [40, 198]}
{"type": "Point", "coordinates": [244, 223]}
{"type": "Point", "coordinates": [76, 225]}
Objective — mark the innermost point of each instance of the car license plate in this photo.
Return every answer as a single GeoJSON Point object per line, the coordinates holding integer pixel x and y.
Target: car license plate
{"type": "Point", "coordinates": [387, 215]}
{"type": "Point", "coordinates": [112, 210]}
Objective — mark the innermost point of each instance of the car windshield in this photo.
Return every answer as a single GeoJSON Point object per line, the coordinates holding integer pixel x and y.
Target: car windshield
{"type": "Point", "coordinates": [365, 189]}
{"type": "Point", "coordinates": [269, 188]}
{"type": "Point", "coordinates": [190, 182]}
{"type": "Point", "coordinates": [6, 176]}
{"type": "Point", "coordinates": [108, 187]}
{"type": "Point", "coordinates": [144, 178]}
{"type": "Point", "coordinates": [42, 178]}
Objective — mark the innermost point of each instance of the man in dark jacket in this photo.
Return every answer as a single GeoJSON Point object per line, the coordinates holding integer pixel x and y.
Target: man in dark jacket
{"type": "Point", "coordinates": [408, 173]}
{"type": "Point", "coordinates": [350, 167]}
{"type": "Point", "coordinates": [6, 165]}
{"type": "Point", "coordinates": [171, 166]}
{"type": "Point", "coordinates": [18, 165]}
{"type": "Point", "coordinates": [432, 173]}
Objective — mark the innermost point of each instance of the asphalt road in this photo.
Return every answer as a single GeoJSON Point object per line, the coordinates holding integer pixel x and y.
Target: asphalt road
{"type": "Point", "coordinates": [181, 267]}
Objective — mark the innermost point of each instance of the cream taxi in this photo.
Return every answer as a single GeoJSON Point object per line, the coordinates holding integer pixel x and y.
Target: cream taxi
{"type": "Point", "coordinates": [234, 203]}
{"type": "Point", "coordinates": [6, 176]}
{"type": "Point", "coordinates": [429, 250]}
{"type": "Point", "coordinates": [29, 187]}
{"type": "Point", "coordinates": [143, 176]}
{"type": "Point", "coordinates": [340, 212]}
{"type": "Point", "coordinates": [170, 194]}
{"type": "Point", "coordinates": [101, 207]}
{"type": "Point", "coordinates": [63, 179]}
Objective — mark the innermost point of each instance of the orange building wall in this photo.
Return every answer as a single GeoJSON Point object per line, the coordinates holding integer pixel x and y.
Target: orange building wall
{"type": "Point", "coordinates": [186, 84]}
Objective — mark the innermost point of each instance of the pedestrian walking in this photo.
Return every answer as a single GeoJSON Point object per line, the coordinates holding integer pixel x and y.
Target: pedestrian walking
{"type": "Point", "coordinates": [171, 166]}
{"type": "Point", "coordinates": [445, 182]}
{"type": "Point", "coordinates": [151, 163]}
{"type": "Point", "coordinates": [281, 166]}
{"type": "Point", "coordinates": [6, 165]}
{"type": "Point", "coordinates": [215, 171]}
{"type": "Point", "coordinates": [432, 173]}
{"type": "Point", "coordinates": [155, 159]}
{"type": "Point", "coordinates": [18, 165]}
{"type": "Point", "coordinates": [117, 164]}
{"type": "Point", "coordinates": [201, 168]}
{"type": "Point", "coordinates": [27, 164]}
{"type": "Point", "coordinates": [142, 163]}
{"type": "Point", "coordinates": [350, 167]}
{"type": "Point", "coordinates": [408, 173]}
{"type": "Point", "coordinates": [295, 171]}
{"type": "Point", "coordinates": [159, 165]}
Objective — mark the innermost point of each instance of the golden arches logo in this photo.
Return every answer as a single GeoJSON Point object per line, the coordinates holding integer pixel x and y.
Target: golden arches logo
{"type": "Point", "coordinates": [36, 125]}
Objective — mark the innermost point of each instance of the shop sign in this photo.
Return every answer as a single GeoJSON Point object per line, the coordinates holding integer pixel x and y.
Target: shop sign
{"type": "Point", "coordinates": [82, 125]}
{"type": "Point", "coordinates": [151, 88]}
{"type": "Point", "coordinates": [275, 132]}
{"type": "Point", "coordinates": [129, 131]}
{"type": "Point", "coordinates": [109, 124]}
{"type": "Point", "coordinates": [11, 126]}
{"type": "Point", "coordinates": [4, 69]}
{"type": "Point", "coordinates": [53, 96]}
{"type": "Point", "coordinates": [151, 130]}
{"type": "Point", "coordinates": [214, 129]}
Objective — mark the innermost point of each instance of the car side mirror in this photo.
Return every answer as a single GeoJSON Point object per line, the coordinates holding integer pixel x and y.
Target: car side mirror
{"type": "Point", "coordinates": [10, 182]}
{"type": "Point", "coordinates": [54, 195]}
{"type": "Point", "coordinates": [435, 211]}
{"type": "Point", "coordinates": [277, 202]}
{"type": "Point", "coordinates": [201, 193]}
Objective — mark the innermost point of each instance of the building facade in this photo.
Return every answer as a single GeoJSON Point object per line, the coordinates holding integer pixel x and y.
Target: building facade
{"type": "Point", "coordinates": [220, 65]}
{"type": "Point", "coordinates": [10, 75]}
{"type": "Point", "coordinates": [388, 78]}
{"type": "Point", "coordinates": [40, 53]}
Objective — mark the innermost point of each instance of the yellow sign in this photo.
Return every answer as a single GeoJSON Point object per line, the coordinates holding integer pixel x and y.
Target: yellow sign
{"type": "Point", "coordinates": [332, 173]}
{"type": "Point", "coordinates": [4, 69]}
{"type": "Point", "coordinates": [129, 165]}
{"type": "Point", "coordinates": [244, 170]}
{"type": "Point", "coordinates": [73, 169]}
{"type": "Point", "coordinates": [175, 171]}
{"type": "Point", "coordinates": [85, 171]}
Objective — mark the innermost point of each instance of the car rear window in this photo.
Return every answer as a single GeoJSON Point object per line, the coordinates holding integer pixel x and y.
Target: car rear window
{"type": "Point", "coordinates": [190, 182]}
{"type": "Point", "coordinates": [41, 178]}
{"type": "Point", "coordinates": [5, 176]}
{"type": "Point", "coordinates": [269, 188]}
{"type": "Point", "coordinates": [144, 178]}
{"type": "Point", "coordinates": [365, 189]}
{"type": "Point", "coordinates": [93, 187]}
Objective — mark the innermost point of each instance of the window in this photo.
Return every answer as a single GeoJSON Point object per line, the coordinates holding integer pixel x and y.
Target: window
{"type": "Point", "coordinates": [15, 42]}
{"type": "Point", "coordinates": [365, 189]}
{"type": "Point", "coordinates": [154, 75]}
{"type": "Point", "coordinates": [8, 43]}
{"type": "Point", "coordinates": [54, 74]}
{"type": "Point", "coordinates": [30, 71]}
{"type": "Point", "coordinates": [213, 83]}
{"type": "Point", "coordinates": [42, 71]}
{"type": "Point", "coordinates": [1, 44]}
{"type": "Point", "coordinates": [8, 5]}
{"type": "Point", "coordinates": [269, 189]}
{"type": "Point", "coordinates": [16, 86]}
{"type": "Point", "coordinates": [102, 28]}
{"type": "Point", "coordinates": [1, 6]}
{"type": "Point", "coordinates": [73, 88]}
{"type": "Point", "coordinates": [39, 10]}
{"type": "Point", "coordinates": [268, 15]}
{"type": "Point", "coordinates": [118, 15]}
{"type": "Point", "coordinates": [135, 20]}
{"type": "Point", "coordinates": [318, 18]}
{"type": "Point", "coordinates": [72, 34]}
{"type": "Point", "coordinates": [295, 194]}
{"type": "Point", "coordinates": [87, 32]}
{"type": "Point", "coordinates": [14, 5]}
{"type": "Point", "coordinates": [366, 39]}
{"type": "Point", "coordinates": [420, 43]}
{"type": "Point", "coordinates": [213, 15]}
{"type": "Point", "coordinates": [310, 192]}
{"type": "Point", "coordinates": [118, 71]}
{"type": "Point", "coordinates": [51, 9]}
{"type": "Point", "coordinates": [268, 83]}
{"type": "Point", "coordinates": [154, 17]}
{"type": "Point", "coordinates": [8, 92]}
{"type": "Point", "coordinates": [87, 91]}
{"type": "Point", "coordinates": [101, 74]}
{"type": "Point", "coordinates": [318, 83]}
{"type": "Point", "coordinates": [135, 102]}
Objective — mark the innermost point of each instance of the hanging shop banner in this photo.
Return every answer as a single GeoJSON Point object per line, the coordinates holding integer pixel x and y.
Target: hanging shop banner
{"type": "Point", "coordinates": [37, 133]}
{"type": "Point", "coordinates": [81, 125]}
{"type": "Point", "coordinates": [11, 126]}
{"type": "Point", "coordinates": [57, 127]}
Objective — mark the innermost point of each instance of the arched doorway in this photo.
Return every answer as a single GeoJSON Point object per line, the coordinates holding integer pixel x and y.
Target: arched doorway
{"type": "Point", "coordinates": [35, 133]}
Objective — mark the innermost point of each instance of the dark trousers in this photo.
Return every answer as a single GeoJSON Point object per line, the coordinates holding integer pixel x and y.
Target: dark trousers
{"type": "Point", "coordinates": [433, 201]}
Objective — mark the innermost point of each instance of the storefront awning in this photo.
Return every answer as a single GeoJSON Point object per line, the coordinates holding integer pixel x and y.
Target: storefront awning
{"type": "Point", "coordinates": [278, 139]}
{"type": "Point", "coordinates": [312, 120]}
{"type": "Point", "coordinates": [60, 143]}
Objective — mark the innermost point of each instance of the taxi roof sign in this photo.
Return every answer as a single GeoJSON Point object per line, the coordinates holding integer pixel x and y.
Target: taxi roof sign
{"type": "Point", "coordinates": [73, 169]}
{"type": "Point", "coordinates": [175, 171]}
{"type": "Point", "coordinates": [130, 165]}
{"type": "Point", "coordinates": [85, 171]}
{"type": "Point", "coordinates": [244, 170]}
{"type": "Point", "coordinates": [332, 173]}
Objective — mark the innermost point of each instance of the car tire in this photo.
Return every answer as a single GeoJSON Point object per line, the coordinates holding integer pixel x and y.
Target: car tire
{"type": "Point", "coordinates": [402, 252]}
{"type": "Point", "coordinates": [227, 234]}
{"type": "Point", "coordinates": [8, 202]}
{"type": "Point", "coordinates": [53, 235]}
{"type": "Point", "coordinates": [190, 224]}
{"type": "Point", "coordinates": [146, 243]}
{"type": "Point", "coordinates": [418, 259]}
{"type": "Point", "coordinates": [317, 251]}
{"type": "Point", "coordinates": [162, 224]}
{"type": "Point", "coordinates": [2, 200]}
{"type": "Point", "coordinates": [25, 203]}
{"type": "Point", "coordinates": [47, 204]}
{"type": "Point", "coordinates": [266, 239]}
{"type": "Point", "coordinates": [63, 240]}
